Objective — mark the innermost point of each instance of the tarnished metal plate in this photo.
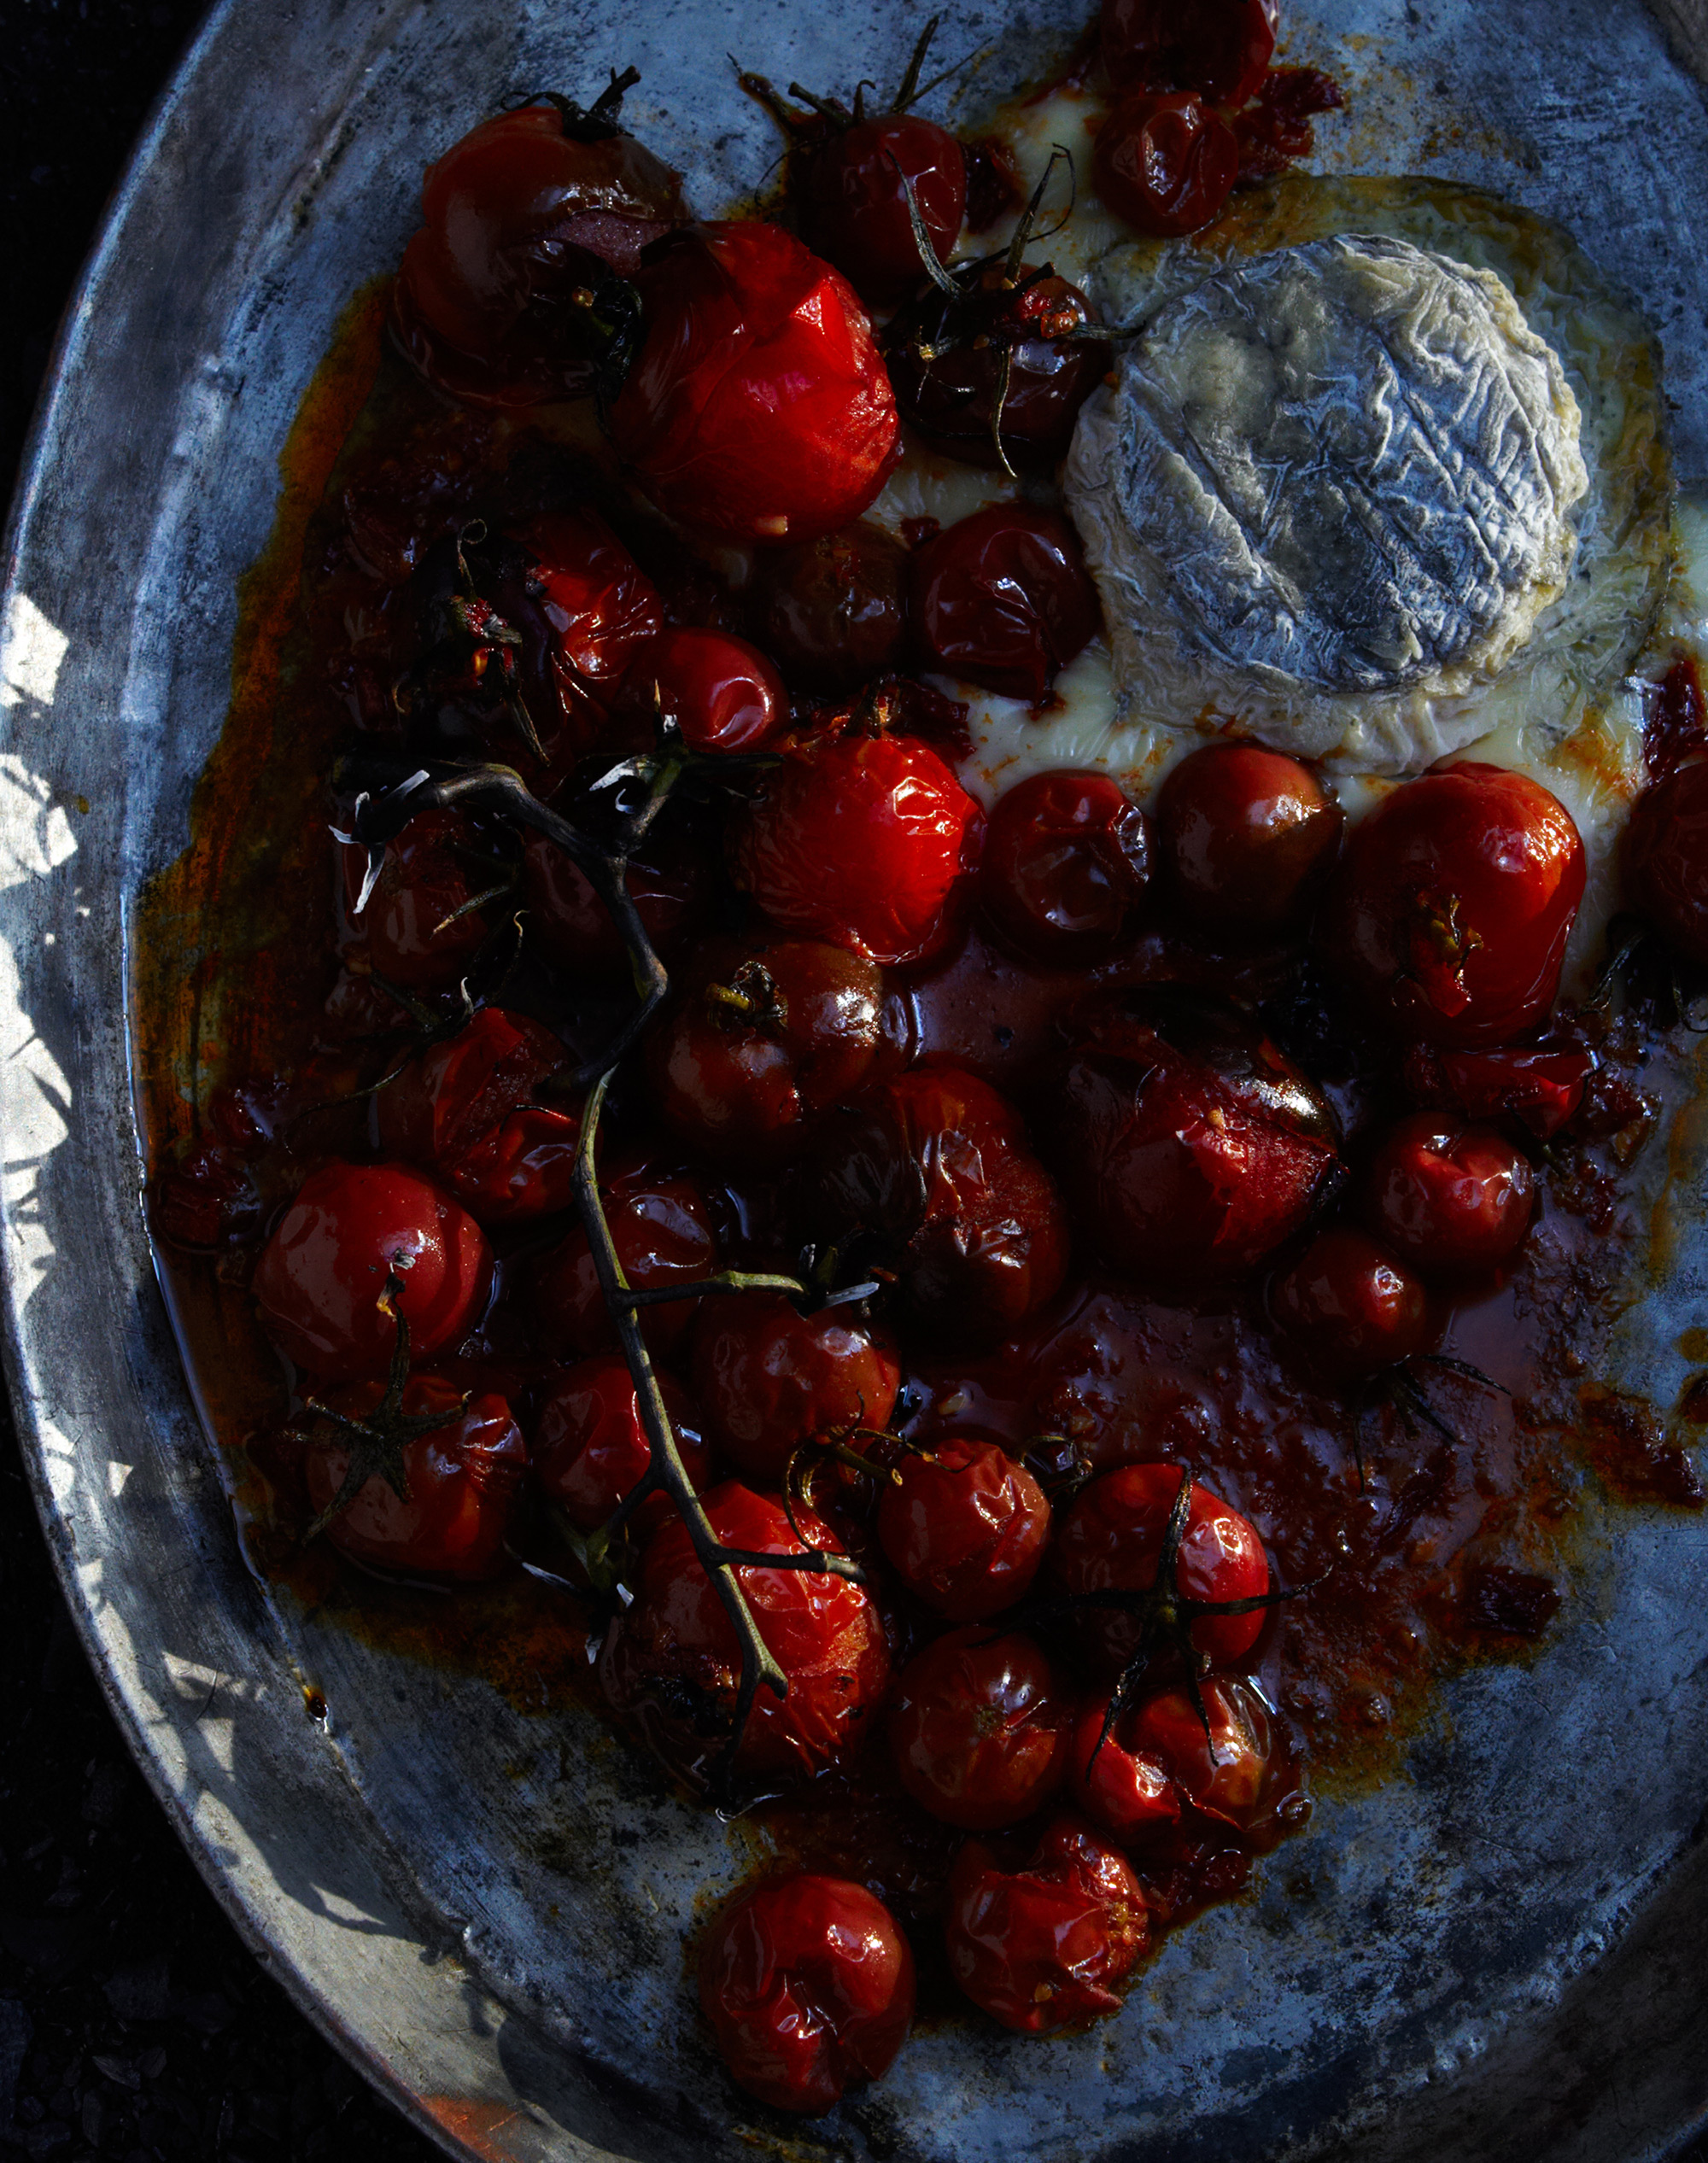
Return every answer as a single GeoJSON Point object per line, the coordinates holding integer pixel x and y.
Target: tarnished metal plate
{"type": "Point", "coordinates": [1497, 1955]}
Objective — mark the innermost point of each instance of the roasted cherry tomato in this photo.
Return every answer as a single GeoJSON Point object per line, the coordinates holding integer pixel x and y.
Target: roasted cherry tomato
{"type": "Point", "coordinates": [1221, 1774]}
{"type": "Point", "coordinates": [966, 1529]}
{"type": "Point", "coordinates": [1350, 1307]}
{"type": "Point", "coordinates": [1276, 128]}
{"type": "Point", "coordinates": [1541, 1089]}
{"type": "Point", "coordinates": [1003, 599]}
{"type": "Point", "coordinates": [1067, 861]}
{"type": "Point", "coordinates": [769, 1378]}
{"type": "Point", "coordinates": [1666, 857]}
{"type": "Point", "coordinates": [977, 1728]}
{"type": "Point", "coordinates": [1246, 834]}
{"type": "Point", "coordinates": [462, 1479]}
{"type": "Point", "coordinates": [1120, 1788]}
{"type": "Point", "coordinates": [763, 1041]}
{"type": "Point", "coordinates": [527, 208]}
{"type": "Point", "coordinates": [1451, 911]}
{"type": "Point", "coordinates": [672, 880]}
{"type": "Point", "coordinates": [1445, 1196]}
{"type": "Point", "coordinates": [852, 207]}
{"type": "Point", "coordinates": [860, 839]}
{"type": "Point", "coordinates": [1110, 1540]}
{"type": "Point", "coordinates": [720, 693]}
{"type": "Point", "coordinates": [1037, 1948]}
{"type": "Point", "coordinates": [1677, 725]}
{"type": "Point", "coordinates": [671, 1663]}
{"type": "Point", "coordinates": [662, 1231]}
{"type": "Point", "coordinates": [590, 1448]}
{"type": "Point", "coordinates": [1165, 161]}
{"type": "Point", "coordinates": [1188, 1147]}
{"type": "Point", "coordinates": [945, 362]}
{"type": "Point", "coordinates": [1219, 47]}
{"type": "Point", "coordinates": [599, 611]}
{"type": "Point", "coordinates": [463, 1110]}
{"type": "Point", "coordinates": [936, 1165]}
{"type": "Point", "coordinates": [417, 928]}
{"type": "Point", "coordinates": [833, 612]}
{"type": "Point", "coordinates": [361, 1244]}
{"type": "Point", "coordinates": [809, 1986]}
{"type": "Point", "coordinates": [757, 407]}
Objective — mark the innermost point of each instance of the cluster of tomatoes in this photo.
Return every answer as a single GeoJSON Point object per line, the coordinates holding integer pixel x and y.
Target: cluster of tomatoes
{"type": "Point", "coordinates": [1056, 1666]}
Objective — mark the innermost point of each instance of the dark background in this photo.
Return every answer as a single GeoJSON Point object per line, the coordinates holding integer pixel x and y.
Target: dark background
{"type": "Point", "coordinates": [133, 2023]}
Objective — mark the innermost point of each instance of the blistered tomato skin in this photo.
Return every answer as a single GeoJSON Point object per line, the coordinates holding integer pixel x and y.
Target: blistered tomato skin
{"type": "Point", "coordinates": [590, 1448]}
{"type": "Point", "coordinates": [833, 612]}
{"type": "Point", "coordinates": [1350, 1307]}
{"type": "Point", "coordinates": [977, 1728]}
{"type": "Point", "coordinates": [721, 694]}
{"type": "Point", "coordinates": [323, 1276]}
{"type": "Point", "coordinates": [675, 1649]}
{"type": "Point", "coordinates": [1111, 1539]}
{"type": "Point", "coordinates": [463, 1479]}
{"type": "Point", "coordinates": [1067, 863]}
{"type": "Point", "coordinates": [966, 1529]}
{"type": "Point", "coordinates": [514, 217]}
{"type": "Point", "coordinates": [1166, 163]}
{"type": "Point", "coordinates": [861, 840]}
{"type": "Point", "coordinates": [1004, 600]}
{"type": "Point", "coordinates": [809, 1986]}
{"type": "Point", "coordinates": [663, 1232]}
{"type": "Point", "coordinates": [1452, 907]}
{"type": "Point", "coordinates": [1245, 836]}
{"type": "Point", "coordinates": [1220, 48]}
{"type": "Point", "coordinates": [769, 1378]}
{"type": "Point", "coordinates": [1039, 1948]}
{"type": "Point", "coordinates": [1127, 1793]}
{"type": "Point", "coordinates": [1448, 1197]}
{"type": "Point", "coordinates": [1221, 1774]}
{"type": "Point", "coordinates": [1666, 857]}
{"type": "Point", "coordinates": [852, 208]}
{"type": "Point", "coordinates": [757, 407]}
{"type": "Point", "coordinates": [600, 609]}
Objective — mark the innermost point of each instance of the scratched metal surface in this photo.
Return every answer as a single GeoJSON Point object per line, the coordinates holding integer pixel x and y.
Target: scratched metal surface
{"type": "Point", "coordinates": [1495, 1958]}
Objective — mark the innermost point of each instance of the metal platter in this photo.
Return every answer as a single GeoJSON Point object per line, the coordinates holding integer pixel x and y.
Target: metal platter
{"type": "Point", "coordinates": [1496, 1957]}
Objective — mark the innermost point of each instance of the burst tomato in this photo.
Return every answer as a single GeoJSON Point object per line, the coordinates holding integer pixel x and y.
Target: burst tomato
{"type": "Point", "coordinates": [1165, 161]}
{"type": "Point", "coordinates": [417, 930]}
{"type": "Point", "coordinates": [1446, 1196]}
{"type": "Point", "coordinates": [966, 1529]}
{"type": "Point", "coordinates": [1157, 1758]}
{"type": "Point", "coordinates": [1067, 861]}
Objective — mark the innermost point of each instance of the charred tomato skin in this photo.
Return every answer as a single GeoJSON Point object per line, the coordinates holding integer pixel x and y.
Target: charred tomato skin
{"type": "Point", "coordinates": [852, 209]}
{"type": "Point", "coordinates": [671, 1663]}
{"type": "Point", "coordinates": [1039, 1948]}
{"type": "Point", "coordinates": [323, 1273]}
{"type": "Point", "coordinates": [1067, 863]}
{"type": "Point", "coordinates": [1666, 857]}
{"type": "Point", "coordinates": [1165, 161]}
{"type": "Point", "coordinates": [1350, 1306]}
{"type": "Point", "coordinates": [965, 1529]}
{"type": "Point", "coordinates": [1245, 836]}
{"type": "Point", "coordinates": [590, 1448]}
{"type": "Point", "coordinates": [1004, 600]}
{"type": "Point", "coordinates": [977, 1728]}
{"type": "Point", "coordinates": [807, 1984]}
{"type": "Point", "coordinates": [1451, 909]}
{"type": "Point", "coordinates": [1448, 1196]}
{"type": "Point", "coordinates": [757, 408]}
{"type": "Point", "coordinates": [463, 1479]}
{"type": "Point", "coordinates": [769, 1378]}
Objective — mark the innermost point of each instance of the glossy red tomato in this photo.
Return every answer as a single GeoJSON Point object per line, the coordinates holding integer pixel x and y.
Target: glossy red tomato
{"type": "Point", "coordinates": [1452, 906]}
{"type": "Point", "coordinates": [321, 1280]}
{"type": "Point", "coordinates": [833, 612]}
{"type": "Point", "coordinates": [860, 839]}
{"type": "Point", "coordinates": [1221, 1774]}
{"type": "Point", "coordinates": [1165, 161]}
{"type": "Point", "coordinates": [1541, 1089]}
{"type": "Point", "coordinates": [809, 1986]}
{"type": "Point", "coordinates": [590, 1448]}
{"type": "Point", "coordinates": [720, 693]}
{"type": "Point", "coordinates": [946, 363]}
{"type": "Point", "coordinates": [462, 1478]}
{"type": "Point", "coordinates": [515, 216]}
{"type": "Point", "coordinates": [966, 1530]}
{"type": "Point", "coordinates": [1246, 834]}
{"type": "Point", "coordinates": [415, 929]}
{"type": "Point", "coordinates": [1188, 1147]}
{"type": "Point", "coordinates": [1111, 1539]}
{"type": "Point", "coordinates": [769, 1378]}
{"type": "Point", "coordinates": [670, 1663]}
{"type": "Point", "coordinates": [663, 1232]}
{"type": "Point", "coordinates": [671, 878]}
{"type": "Point", "coordinates": [1039, 1947]}
{"type": "Point", "coordinates": [1350, 1307]}
{"type": "Point", "coordinates": [1123, 1790]}
{"type": "Point", "coordinates": [1067, 861]}
{"type": "Point", "coordinates": [1666, 857]}
{"type": "Point", "coordinates": [1446, 1196]}
{"type": "Point", "coordinates": [852, 208]}
{"type": "Point", "coordinates": [757, 407]}
{"type": "Point", "coordinates": [977, 1728]}
{"type": "Point", "coordinates": [1219, 47]}
{"type": "Point", "coordinates": [599, 610]}
{"type": "Point", "coordinates": [936, 1165]}
{"type": "Point", "coordinates": [1004, 600]}
{"type": "Point", "coordinates": [763, 1041]}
